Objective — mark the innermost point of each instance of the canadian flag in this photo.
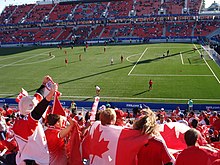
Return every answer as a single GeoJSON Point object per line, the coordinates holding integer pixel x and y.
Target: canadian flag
{"type": "Point", "coordinates": [57, 107]}
{"type": "Point", "coordinates": [94, 108]}
{"type": "Point", "coordinates": [21, 94]}
{"type": "Point", "coordinates": [112, 145]}
{"type": "Point", "coordinates": [173, 135]}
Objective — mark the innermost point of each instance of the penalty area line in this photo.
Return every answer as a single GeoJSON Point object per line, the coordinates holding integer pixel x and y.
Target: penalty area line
{"type": "Point", "coordinates": [137, 61]}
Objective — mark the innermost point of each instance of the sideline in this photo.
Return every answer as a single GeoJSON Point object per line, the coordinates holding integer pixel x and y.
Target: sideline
{"type": "Point", "coordinates": [208, 65]}
{"type": "Point", "coordinates": [126, 98]}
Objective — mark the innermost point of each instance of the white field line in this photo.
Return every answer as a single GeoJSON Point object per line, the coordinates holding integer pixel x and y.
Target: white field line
{"type": "Point", "coordinates": [195, 64]}
{"type": "Point", "coordinates": [130, 98]}
{"type": "Point", "coordinates": [137, 61]}
{"type": "Point", "coordinates": [170, 75]}
{"type": "Point", "coordinates": [208, 66]}
{"type": "Point", "coordinates": [29, 63]}
{"type": "Point", "coordinates": [132, 56]}
{"type": "Point", "coordinates": [181, 56]}
{"type": "Point", "coordinates": [14, 63]}
{"type": "Point", "coordinates": [20, 55]}
{"type": "Point", "coordinates": [212, 71]}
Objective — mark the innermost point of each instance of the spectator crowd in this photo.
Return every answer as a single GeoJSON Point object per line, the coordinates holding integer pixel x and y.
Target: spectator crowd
{"type": "Point", "coordinates": [40, 133]}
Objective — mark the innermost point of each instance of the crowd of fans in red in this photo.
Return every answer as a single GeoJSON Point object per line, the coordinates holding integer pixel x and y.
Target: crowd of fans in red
{"type": "Point", "coordinates": [206, 122]}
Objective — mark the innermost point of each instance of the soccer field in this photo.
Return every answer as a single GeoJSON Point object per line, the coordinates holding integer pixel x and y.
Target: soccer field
{"type": "Point", "coordinates": [181, 75]}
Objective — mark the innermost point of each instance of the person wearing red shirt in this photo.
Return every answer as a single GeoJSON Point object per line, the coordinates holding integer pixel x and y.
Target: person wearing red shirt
{"type": "Point", "coordinates": [155, 152]}
{"type": "Point", "coordinates": [213, 117]}
{"type": "Point", "coordinates": [150, 85]}
{"type": "Point", "coordinates": [27, 129]}
{"type": "Point", "coordinates": [55, 139]}
{"type": "Point", "coordinates": [194, 154]}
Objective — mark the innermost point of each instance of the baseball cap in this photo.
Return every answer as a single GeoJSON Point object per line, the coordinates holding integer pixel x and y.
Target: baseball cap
{"type": "Point", "coordinates": [27, 104]}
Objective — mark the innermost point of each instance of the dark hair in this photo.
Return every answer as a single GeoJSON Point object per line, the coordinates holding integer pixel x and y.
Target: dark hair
{"type": "Point", "coordinates": [194, 123]}
{"type": "Point", "coordinates": [191, 137]}
{"type": "Point", "coordinates": [52, 119]}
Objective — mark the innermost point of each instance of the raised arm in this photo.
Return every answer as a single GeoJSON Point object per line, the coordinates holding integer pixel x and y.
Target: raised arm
{"type": "Point", "coordinates": [42, 106]}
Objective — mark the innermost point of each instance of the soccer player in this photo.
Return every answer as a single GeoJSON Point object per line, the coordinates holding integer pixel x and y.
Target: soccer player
{"type": "Point", "coordinates": [112, 61]}
{"type": "Point", "coordinates": [122, 58]}
{"type": "Point", "coordinates": [66, 61]}
{"type": "Point", "coordinates": [168, 52]}
{"type": "Point", "coordinates": [150, 85]}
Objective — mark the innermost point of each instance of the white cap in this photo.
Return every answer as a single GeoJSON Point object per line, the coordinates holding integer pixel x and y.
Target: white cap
{"type": "Point", "coordinates": [27, 104]}
{"type": "Point", "coordinates": [97, 87]}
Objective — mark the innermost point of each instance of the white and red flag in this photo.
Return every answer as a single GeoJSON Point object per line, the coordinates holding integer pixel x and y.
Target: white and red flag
{"type": "Point", "coordinates": [112, 145]}
{"type": "Point", "coordinates": [21, 94]}
{"type": "Point", "coordinates": [94, 109]}
{"type": "Point", "coordinates": [173, 135]}
{"type": "Point", "coordinates": [57, 106]}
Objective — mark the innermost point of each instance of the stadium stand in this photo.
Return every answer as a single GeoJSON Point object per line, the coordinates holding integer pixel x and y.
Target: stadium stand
{"type": "Point", "coordinates": [83, 21]}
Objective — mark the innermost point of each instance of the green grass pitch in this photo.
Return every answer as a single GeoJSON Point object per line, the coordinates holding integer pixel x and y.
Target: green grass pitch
{"type": "Point", "coordinates": [176, 78]}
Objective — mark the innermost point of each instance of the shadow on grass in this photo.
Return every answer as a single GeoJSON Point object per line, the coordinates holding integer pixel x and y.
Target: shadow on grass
{"type": "Point", "coordinates": [140, 93]}
{"type": "Point", "coordinates": [163, 57]}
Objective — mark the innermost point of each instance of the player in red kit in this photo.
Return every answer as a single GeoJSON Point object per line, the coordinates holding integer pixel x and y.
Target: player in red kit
{"type": "Point", "coordinates": [150, 85]}
{"type": "Point", "coordinates": [66, 61]}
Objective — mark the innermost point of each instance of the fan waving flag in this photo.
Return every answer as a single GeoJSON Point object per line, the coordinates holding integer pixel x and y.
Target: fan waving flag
{"type": "Point", "coordinates": [112, 145]}
{"type": "Point", "coordinates": [21, 94]}
{"type": "Point", "coordinates": [94, 108]}
{"type": "Point", "coordinates": [173, 134]}
{"type": "Point", "coordinates": [57, 107]}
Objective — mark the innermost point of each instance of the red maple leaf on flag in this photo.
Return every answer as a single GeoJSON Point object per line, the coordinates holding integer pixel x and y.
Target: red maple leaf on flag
{"type": "Point", "coordinates": [97, 146]}
{"type": "Point", "coordinates": [174, 139]}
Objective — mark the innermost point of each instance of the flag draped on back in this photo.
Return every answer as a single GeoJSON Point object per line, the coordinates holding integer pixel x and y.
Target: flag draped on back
{"type": "Point", "coordinates": [173, 134]}
{"type": "Point", "coordinates": [112, 145]}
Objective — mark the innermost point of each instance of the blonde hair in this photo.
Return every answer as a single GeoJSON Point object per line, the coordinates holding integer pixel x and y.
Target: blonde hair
{"type": "Point", "coordinates": [147, 123]}
{"type": "Point", "coordinates": [108, 116]}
